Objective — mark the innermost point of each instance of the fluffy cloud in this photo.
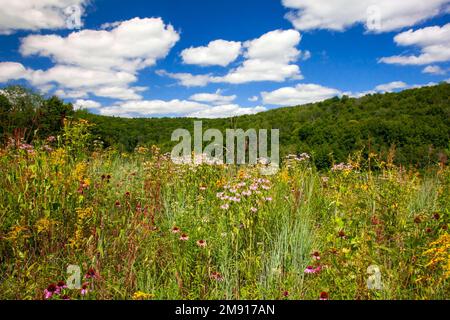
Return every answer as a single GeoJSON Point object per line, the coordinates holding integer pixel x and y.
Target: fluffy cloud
{"type": "Point", "coordinates": [40, 14]}
{"type": "Point", "coordinates": [71, 94]}
{"type": "Point", "coordinates": [306, 55]}
{"type": "Point", "coordinates": [80, 78]}
{"type": "Point", "coordinates": [101, 62]}
{"type": "Point", "coordinates": [226, 111]}
{"type": "Point", "coordinates": [131, 45]}
{"type": "Point", "coordinates": [187, 79]}
{"type": "Point", "coordinates": [271, 57]}
{"type": "Point", "coordinates": [176, 108]}
{"type": "Point", "coordinates": [150, 108]}
{"type": "Point", "coordinates": [86, 104]}
{"type": "Point", "coordinates": [119, 93]}
{"type": "Point", "coordinates": [12, 71]}
{"type": "Point", "coordinates": [389, 87]}
{"type": "Point", "coordinates": [378, 16]}
{"type": "Point", "coordinates": [299, 95]}
{"type": "Point", "coordinates": [310, 93]}
{"type": "Point", "coordinates": [436, 70]}
{"type": "Point", "coordinates": [218, 52]}
{"type": "Point", "coordinates": [214, 98]}
{"type": "Point", "coordinates": [434, 43]}
{"type": "Point", "coordinates": [268, 58]}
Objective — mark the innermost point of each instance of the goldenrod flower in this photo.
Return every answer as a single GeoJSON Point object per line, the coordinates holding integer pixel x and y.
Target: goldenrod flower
{"type": "Point", "coordinates": [139, 295]}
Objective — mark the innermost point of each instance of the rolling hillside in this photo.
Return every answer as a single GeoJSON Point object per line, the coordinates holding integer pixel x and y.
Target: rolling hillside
{"type": "Point", "coordinates": [413, 123]}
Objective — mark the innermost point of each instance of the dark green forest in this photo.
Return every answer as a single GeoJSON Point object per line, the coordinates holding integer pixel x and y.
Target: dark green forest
{"type": "Point", "coordinates": [414, 123]}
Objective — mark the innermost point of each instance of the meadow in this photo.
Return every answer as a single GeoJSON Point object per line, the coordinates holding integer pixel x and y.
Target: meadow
{"type": "Point", "coordinates": [140, 227]}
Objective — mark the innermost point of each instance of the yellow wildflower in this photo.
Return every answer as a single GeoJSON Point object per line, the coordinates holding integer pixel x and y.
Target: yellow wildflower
{"type": "Point", "coordinates": [439, 254]}
{"type": "Point", "coordinates": [84, 214]}
{"type": "Point", "coordinates": [80, 171]}
{"type": "Point", "coordinates": [285, 176]}
{"type": "Point", "coordinates": [16, 233]}
{"type": "Point", "coordinates": [58, 157]}
{"type": "Point", "coordinates": [141, 150]}
{"type": "Point", "coordinates": [142, 296]}
{"type": "Point", "coordinates": [44, 225]}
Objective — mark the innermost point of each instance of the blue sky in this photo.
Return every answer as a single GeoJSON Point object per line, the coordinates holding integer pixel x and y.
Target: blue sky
{"type": "Point", "coordinates": [220, 58]}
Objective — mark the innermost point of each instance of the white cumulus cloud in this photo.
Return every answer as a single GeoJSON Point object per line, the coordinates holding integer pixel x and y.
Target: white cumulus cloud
{"type": "Point", "coordinates": [436, 70]}
{"type": "Point", "coordinates": [187, 79]}
{"type": "Point", "coordinates": [268, 58]}
{"type": "Point", "coordinates": [226, 111]}
{"type": "Point", "coordinates": [391, 86]}
{"type": "Point", "coordinates": [299, 95]}
{"type": "Point", "coordinates": [214, 98]}
{"type": "Point", "coordinates": [132, 45]}
{"type": "Point", "coordinates": [376, 15]}
{"type": "Point", "coordinates": [40, 14]}
{"type": "Point", "coordinates": [217, 53]}
{"type": "Point", "coordinates": [104, 63]}
{"type": "Point", "coordinates": [271, 57]}
{"type": "Point", "coordinates": [433, 42]}
{"type": "Point", "coordinates": [176, 108]}
{"type": "Point", "coordinates": [86, 104]}
{"type": "Point", "coordinates": [12, 71]}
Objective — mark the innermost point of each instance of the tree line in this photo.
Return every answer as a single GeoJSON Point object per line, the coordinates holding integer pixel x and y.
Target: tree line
{"type": "Point", "coordinates": [413, 124]}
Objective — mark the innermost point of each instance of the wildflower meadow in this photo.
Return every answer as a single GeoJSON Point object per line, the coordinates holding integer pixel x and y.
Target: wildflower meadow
{"type": "Point", "coordinates": [81, 222]}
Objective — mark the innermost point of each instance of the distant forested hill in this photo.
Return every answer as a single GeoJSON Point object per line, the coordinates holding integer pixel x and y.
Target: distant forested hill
{"type": "Point", "coordinates": [415, 122]}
